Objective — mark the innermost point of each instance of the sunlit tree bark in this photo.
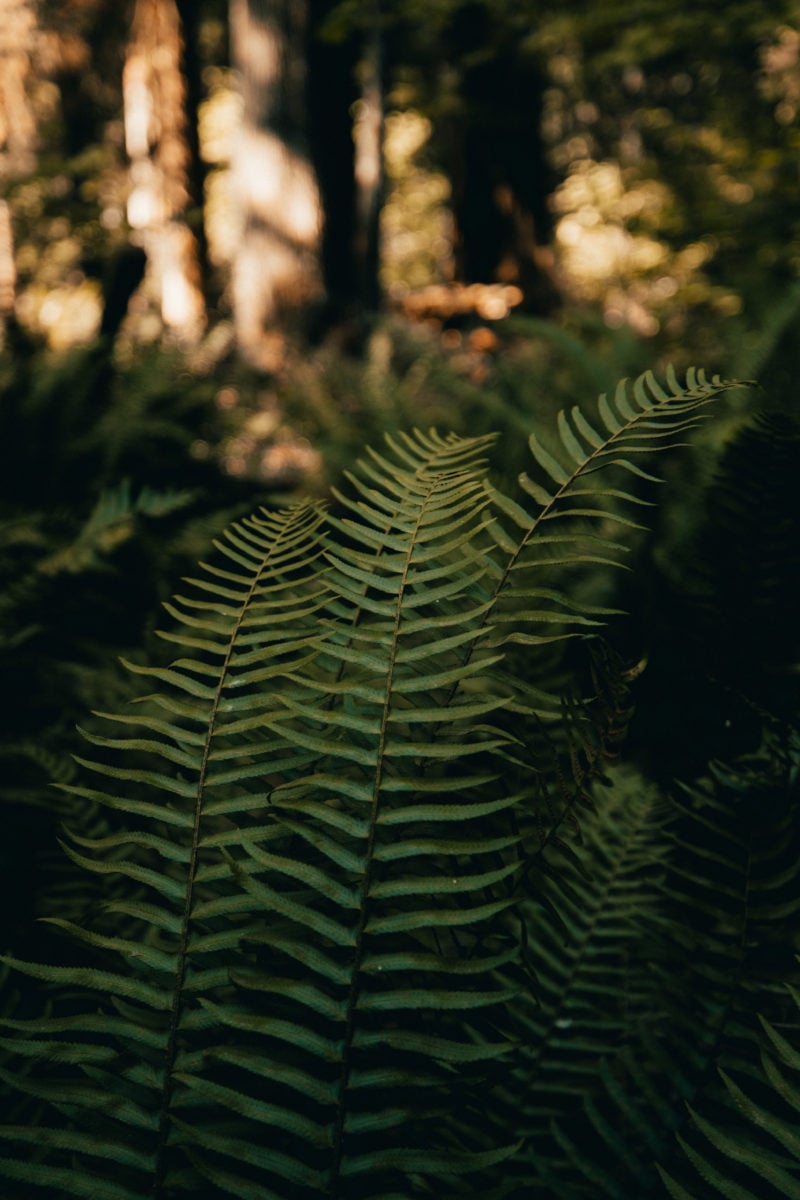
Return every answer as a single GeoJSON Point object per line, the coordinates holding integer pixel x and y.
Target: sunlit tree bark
{"type": "Point", "coordinates": [154, 94]}
{"type": "Point", "coordinates": [369, 171]}
{"type": "Point", "coordinates": [18, 133]}
{"type": "Point", "coordinates": [277, 274]}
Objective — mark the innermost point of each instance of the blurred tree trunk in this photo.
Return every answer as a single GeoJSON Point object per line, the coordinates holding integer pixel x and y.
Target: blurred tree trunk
{"type": "Point", "coordinates": [346, 110]}
{"type": "Point", "coordinates": [369, 172]}
{"type": "Point", "coordinates": [277, 278]}
{"type": "Point", "coordinates": [158, 145]}
{"type": "Point", "coordinates": [500, 177]}
{"type": "Point", "coordinates": [332, 96]}
{"type": "Point", "coordinates": [18, 132]}
{"type": "Point", "coordinates": [196, 171]}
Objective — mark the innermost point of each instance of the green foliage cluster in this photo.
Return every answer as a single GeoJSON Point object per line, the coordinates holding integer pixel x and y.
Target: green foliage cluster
{"type": "Point", "coordinates": [366, 907]}
{"type": "Point", "coordinates": [100, 502]}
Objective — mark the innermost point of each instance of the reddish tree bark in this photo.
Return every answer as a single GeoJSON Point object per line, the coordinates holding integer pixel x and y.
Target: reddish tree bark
{"type": "Point", "coordinates": [277, 278]}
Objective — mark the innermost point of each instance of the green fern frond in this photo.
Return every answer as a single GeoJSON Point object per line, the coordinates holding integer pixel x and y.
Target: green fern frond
{"type": "Point", "coordinates": [751, 1149]}
{"type": "Point", "coordinates": [729, 878]}
{"type": "Point", "coordinates": [595, 1003]}
{"type": "Point", "coordinates": [110, 523]}
{"type": "Point", "coordinates": [575, 519]}
{"type": "Point", "coordinates": [149, 942]}
{"type": "Point", "coordinates": [580, 511]}
{"type": "Point", "coordinates": [742, 884]}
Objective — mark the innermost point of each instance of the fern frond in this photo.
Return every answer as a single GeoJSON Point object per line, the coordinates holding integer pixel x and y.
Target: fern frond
{"type": "Point", "coordinates": [574, 519]}
{"type": "Point", "coordinates": [751, 1147]}
{"type": "Point", "coordinates": [741, 1135]}
{"type": "Point", "coordinates": [390, 827]}
{"type": "Point", "coordinates": [595, 1003]}
{"type": "Point", "coordinates": [110, 523]}
{"type": "Point", "coordinates": [726, 878]}
{"type": "Point", "coordinates": [150, 953]}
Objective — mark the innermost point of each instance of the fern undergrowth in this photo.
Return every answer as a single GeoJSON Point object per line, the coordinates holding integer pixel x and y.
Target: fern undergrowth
{"type": "Point", "coordinates": [368, 911]}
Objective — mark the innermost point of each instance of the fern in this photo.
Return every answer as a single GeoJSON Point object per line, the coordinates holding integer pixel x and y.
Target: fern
{"type": "Point", "coordinates": [746, 819]}
{"type": "Point", "coordinates": [672, 1009]}
{"type": "Point", "coordinates": [111, 523]}
{"type": "Point", "coordinates": [339, 845]}
{"type": "Point", "coordinates": [756, 1152]}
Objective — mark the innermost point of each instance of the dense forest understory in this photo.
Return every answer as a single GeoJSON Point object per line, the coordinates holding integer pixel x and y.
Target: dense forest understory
{"type": "Point", "coordinates": [400, 544]}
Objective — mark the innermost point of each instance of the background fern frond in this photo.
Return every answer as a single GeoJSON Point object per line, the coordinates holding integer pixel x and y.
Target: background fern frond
{"type": "Point", "coordinates": [750, 1145]}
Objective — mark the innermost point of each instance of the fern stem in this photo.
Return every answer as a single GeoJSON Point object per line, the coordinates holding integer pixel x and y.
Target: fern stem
{"type": "Point", "coordinates": [180, 976]}
{"type": "Point", "coordinates": [355, 981]}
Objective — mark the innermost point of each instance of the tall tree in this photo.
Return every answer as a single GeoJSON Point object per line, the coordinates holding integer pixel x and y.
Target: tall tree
{"type": "Point", "coordinates": [156, 123]}
{"type": "Point", "coordinates": [277, 277]}
{"type": "Point", "coordinates": [18, 131]}
{"type": "Point", "coordinates": [346, 109]}
{"type": "Point", "coordinates": [496, 159]}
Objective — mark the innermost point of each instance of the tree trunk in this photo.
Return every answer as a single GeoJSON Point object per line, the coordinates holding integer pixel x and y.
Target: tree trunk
{"type": "Point", "coordinates": [277, 281]}
{"type": "Point", "coordinates": [369, 172]}
{"type": "Point", "coordinates": [498, 168]}
{"type": "Point", "coordinates": [154, 96]}
{"type": "Point", "coordinates": [346, 109]}
{"type": "Point", "coordinates": [196, 171]}
{"type": "Point", "coordinates": [18, 132]}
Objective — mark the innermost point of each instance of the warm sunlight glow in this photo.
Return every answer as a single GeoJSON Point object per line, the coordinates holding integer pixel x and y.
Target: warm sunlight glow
{"type": "Point", "coordinates": [275, 271]}
{"type": "Point", "coordinates": [256, 47]}
{"type": "Point", "coordinates": [636, 277]}
{"type": "Point", "coordinates": [416, 224]}
{"type": "Point", "coordinates": [182, 305]}
{"type": "Point", "coordinates": [277, 185]}
{"type": "Point", "coordinates": [66, 316]}
{"type": "Point", "coordinates": [138, 106]}
{"type": "Point", "coordinates": [8, 270]}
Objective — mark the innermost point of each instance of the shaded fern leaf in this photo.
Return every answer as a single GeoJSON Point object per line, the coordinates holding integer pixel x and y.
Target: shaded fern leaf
{"type": "Point", "coordinates": [740, 1137]}
{"type": "Point", "coordinates": [575, 519]}
{"type": "Point", "coordinates": [595, 1002]}
{"type": "Point", "coordinates": [395, 849]}
{"type": "Point", "coordinates": [751, 1148]}
{"type": "Point", "coordinates": [116, 1086]}
{"type": "Point", "coordinates": [701, 949]}
{"type": "Point", "coordinates": [112, 522]}
{"type": "Point", "coordinates": [549, 545]}
{"type": "Point", "coordinates": [341, 845]}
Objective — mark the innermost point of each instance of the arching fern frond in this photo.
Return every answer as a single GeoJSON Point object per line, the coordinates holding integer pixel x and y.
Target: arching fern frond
{"type": "Point", "coordinates": [575, 519]}
{"type": "Point", "coordinates": [557, 534]}
{"type": "Point", "coordinates": [595, 1002]}
{"type": "Point", "coordinates": [703, 953]}
{"type": "Point", "coordinates": [167, 779]}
